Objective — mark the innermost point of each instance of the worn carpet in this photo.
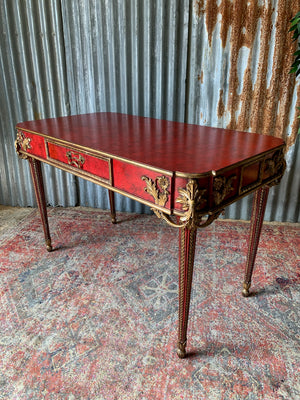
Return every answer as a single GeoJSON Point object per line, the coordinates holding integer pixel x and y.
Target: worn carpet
{"type": "Point", "coordinates": [96, 319]}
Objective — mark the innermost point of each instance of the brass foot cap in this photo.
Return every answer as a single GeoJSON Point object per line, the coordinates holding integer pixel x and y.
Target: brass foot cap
{"type": "Point", "coordinates": [246, 288]}
{"type": "Point", "coordinates": [48, 245]}
{"type": "Point", "coordinates": [181, 354]}
{"type": "Point", "coordinates": [181, 350]}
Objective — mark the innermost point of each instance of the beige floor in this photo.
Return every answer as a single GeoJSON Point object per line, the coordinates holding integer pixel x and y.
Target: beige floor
{"type": "Point", "coordinates": [11, 216]}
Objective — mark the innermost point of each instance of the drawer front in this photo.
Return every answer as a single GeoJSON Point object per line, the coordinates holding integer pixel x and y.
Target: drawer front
{"type": "Point", "coordinates": [262, 171]}
{"type": "Point", "coordinates": [152, 186]}
{"type": "Point", "coordinates": [251, 176]}
{"type": "Point", "coordinates": [79, 160]}
{"type": "Point", "coordinates": [31, 144]}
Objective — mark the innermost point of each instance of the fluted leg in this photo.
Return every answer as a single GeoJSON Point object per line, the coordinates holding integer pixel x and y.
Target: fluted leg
{"type": "Point", "coordinates": [186, 265]}
{"type": "Point", "coordinates": [258, 211]}
{"type": "Point", "coordinates": [36, 173]}
{"type": "Point", "coordinates": [112, 206]}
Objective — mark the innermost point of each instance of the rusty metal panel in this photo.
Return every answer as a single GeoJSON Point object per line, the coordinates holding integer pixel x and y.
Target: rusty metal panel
{"type": "Point", "coordinates": [240, 57]}
{"type": "Point", "coordinates": [212, 62]}
{"type": "Point", "coordinates": [240, 54]}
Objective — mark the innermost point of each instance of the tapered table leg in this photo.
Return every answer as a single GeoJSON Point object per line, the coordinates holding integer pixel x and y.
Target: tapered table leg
{"type": "Point", "coordinates": [186, 265]}
{"type": "Point", "coordinates": [112, 206]}
{"type": "Point", "coordinates": [37, 177]}
{"type": "Point", "coordinates": [258, 211]}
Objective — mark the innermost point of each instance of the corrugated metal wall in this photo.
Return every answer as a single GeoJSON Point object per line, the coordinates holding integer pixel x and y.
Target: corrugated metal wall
{"type": "Point", "coordinates": [220, 63]}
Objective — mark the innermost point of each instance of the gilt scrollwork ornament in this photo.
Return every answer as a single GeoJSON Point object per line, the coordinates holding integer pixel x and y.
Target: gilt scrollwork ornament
{"type": "Point", "coordinates": [275, 165]}
{"type": "Point", "coordinates": [158, 189]}
{"type": "Point", "coordinates": [22, 143]}
{"type": "Point", "coordinates": [191, 198]}
{"type": "Point", "coordinates": [222, 187]}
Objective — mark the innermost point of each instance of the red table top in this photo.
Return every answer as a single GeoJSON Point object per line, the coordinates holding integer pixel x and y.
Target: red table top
{"type": "Point", "coordinates": [167, 145]}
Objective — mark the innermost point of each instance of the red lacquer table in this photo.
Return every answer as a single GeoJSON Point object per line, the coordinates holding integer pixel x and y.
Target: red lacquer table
{"type": "Point", "coordinates": [186, 173]}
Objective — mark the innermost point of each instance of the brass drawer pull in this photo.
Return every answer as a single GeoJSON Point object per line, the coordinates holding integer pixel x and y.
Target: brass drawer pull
{"type": "Point", "coordinates": [75, 159]}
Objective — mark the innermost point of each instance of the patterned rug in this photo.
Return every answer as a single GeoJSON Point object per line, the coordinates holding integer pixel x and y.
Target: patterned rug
{"type": "Point", "coordinates": [96, 319]}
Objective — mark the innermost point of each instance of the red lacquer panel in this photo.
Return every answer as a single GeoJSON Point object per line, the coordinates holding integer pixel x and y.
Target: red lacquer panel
{"type": "Point", "coordinates": [36, 144]}
{"type": "Point", "coordinates": [98, 166]}
{"type": "Point", "coordinates": [128, 178]}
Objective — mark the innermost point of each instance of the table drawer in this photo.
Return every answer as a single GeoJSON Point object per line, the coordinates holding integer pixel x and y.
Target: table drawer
{"type": "Point", "coordinates": [97, 166]}
{"type": "Point", "coordinates": [143, 183]}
